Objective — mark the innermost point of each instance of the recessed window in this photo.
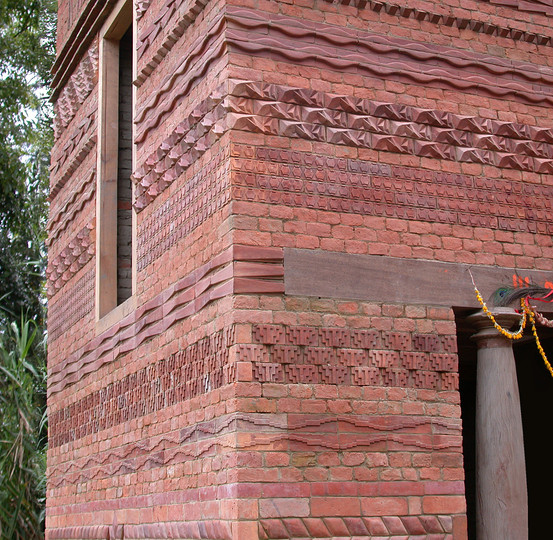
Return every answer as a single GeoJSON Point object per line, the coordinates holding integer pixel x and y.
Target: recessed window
{"type": "Point", "coordinates": [115, 217]}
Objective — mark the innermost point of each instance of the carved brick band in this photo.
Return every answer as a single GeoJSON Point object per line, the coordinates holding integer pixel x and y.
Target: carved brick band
{"type": "Point", "coordinates": [182, 530]}
{"type": "Point", "coordinates": [306, 114]}
{"type": "Point", "coordinates": [200, 368]}
{"type": "Point", "coordinates": [77, 89]}
{"type": "Point", "coordinates": [68, 157]}
{"type": "Point", "coordinates": [240, 270]}
{"type": "Point", "coordinates": [73, 257]}
{"type": "Point", "coordinates": [195, 201]}
{"type": "Point", "coordinates": [78, 198]}
{"type": "Point", "coordinates": [71, 307]}
{"type": "Point", "coordinates": [301, 432]}
{"type": "Point", "coordinates": [383, 528]}
{"type": "Point", "coordinates": [408, 61]}
{"type": "Point", "coordinates": [166, 19]}
{"type": "Point", "coordinates": [306, 180]}
{"type": "Point", "coordinates": [188, 141]}
{"type": "Point", "coordinates": [543, 7]}
{"type": "Point", "coordinates": [360, 357]}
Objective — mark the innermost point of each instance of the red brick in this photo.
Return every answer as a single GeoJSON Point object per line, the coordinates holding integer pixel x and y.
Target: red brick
{"type": "Point", "coordinates": [335, 506]}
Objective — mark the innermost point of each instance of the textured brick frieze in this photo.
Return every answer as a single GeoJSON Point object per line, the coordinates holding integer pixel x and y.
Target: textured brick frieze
{"type": "Point", "coordinates": [317, 116]}
{"type": "Point", "coordinates": [411, 62]}
{"type": "Point", "coordinates": [71, 306]}
{"type": "Point", "coordinates": [301, 179]}
{"type": "Point", "coordinates": [73, 257]}
{"type": "Point", "coordinates": [188, 141]}
{"type": "Point", "coordinates": [71, 206]}
{"type": "Point", "coordinates": [67, 158]}
{"type": "Point", "coordinates": [476, 24]}
{"type": "Point", "coordinates": [304, 114]}
{"type": "Point", "coordinates": [186, 209]}
{"type": "Point", "coordinates": [300, 432]}
{"type": "Point", "coordinates": [352, 357]}
{"type": "Point", "coordinates": [195, 370]}
{"type": "Point", "coordinates": [171, 23]}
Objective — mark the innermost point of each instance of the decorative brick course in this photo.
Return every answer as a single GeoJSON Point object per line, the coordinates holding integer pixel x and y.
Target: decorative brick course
{"type": "Point", "coordinates": [182, 300]}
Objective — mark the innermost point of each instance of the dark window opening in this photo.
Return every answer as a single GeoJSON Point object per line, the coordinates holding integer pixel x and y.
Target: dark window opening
{"type": "Point", "coordinates": [124, 170]}
{"type": "Point", "coordinates": [536, 398]}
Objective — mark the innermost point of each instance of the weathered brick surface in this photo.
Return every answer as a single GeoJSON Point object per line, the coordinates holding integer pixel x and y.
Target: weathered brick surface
{"type": "Point", "coordinates": [220, 406]}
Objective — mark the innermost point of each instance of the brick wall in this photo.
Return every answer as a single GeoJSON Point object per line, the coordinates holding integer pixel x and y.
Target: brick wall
{"type": "Point", "coordinates": [221, 404]}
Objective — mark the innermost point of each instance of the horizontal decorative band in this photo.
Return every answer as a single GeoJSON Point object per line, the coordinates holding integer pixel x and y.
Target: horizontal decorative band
{"type": "Point", "coordinates": [198, 369]}
{"type": "Point", "coordinates": [371, 188]}
{"type": "Point", "coordinates": [210, 282]}
{"type": "Point", "coordinates": [480, 26]}
{"type": "Point", "coordinates": [174, 17]}
{"type": "Point", "coordinates": [77, 88]}
{"type": "Point", "coordinates": [294, 431]}
{"type": "Point", "coordinates": [78, 198]}
{"type": "Point", "coordinates": [347, 120]}
{"type": "Point", "coordinates": [74, 304]}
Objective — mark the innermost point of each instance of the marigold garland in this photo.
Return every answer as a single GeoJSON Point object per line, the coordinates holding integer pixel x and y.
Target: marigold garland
{"type": "Point", "coordinates": [527, 313]}
{"type": "Point", "coordinates": [538, 344]}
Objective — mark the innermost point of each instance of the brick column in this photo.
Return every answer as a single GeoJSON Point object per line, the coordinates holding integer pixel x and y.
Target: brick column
{"type": "Point", "coordinates": [501, 492]}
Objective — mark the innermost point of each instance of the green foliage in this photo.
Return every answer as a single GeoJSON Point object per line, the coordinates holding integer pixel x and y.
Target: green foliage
{"type": "Point", "coordinates": [27, 44]}
{"type": "Point", "coordinates": [27, 32]}
{"type": "Point", "coordinates": [22, 433]}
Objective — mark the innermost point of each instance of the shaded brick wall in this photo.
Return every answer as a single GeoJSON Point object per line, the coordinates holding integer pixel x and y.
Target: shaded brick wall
{"type": "Point", "coordinates": [224, 406]}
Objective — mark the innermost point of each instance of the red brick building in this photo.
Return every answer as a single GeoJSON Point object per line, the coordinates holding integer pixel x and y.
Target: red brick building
{"type": "Point", "coordinates": [262, 216]}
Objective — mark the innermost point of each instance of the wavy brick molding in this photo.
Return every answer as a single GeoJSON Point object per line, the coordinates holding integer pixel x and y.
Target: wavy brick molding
{"type": "Point", "coordinates": [173, 16]}
{"type": "Point", "coordinates": [238, 270]}
{"type": "Point", "coordinates": [348, 51]}
{"type": "Point", "coordinates": [265, 432]}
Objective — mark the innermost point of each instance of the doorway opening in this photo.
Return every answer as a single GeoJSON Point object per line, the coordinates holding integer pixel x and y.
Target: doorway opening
{"type": "Point", "coordinates": [536, 398]}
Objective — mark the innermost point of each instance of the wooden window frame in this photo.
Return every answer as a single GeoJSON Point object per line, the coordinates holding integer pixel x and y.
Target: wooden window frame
{"type": "Point", "coordinates": [107, 310]}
